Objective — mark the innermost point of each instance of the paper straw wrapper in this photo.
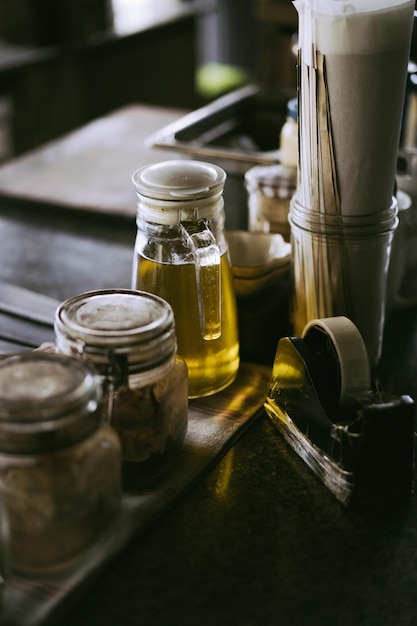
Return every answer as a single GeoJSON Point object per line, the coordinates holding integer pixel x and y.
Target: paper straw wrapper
{"type": "Point", "coordinates": [353, 57]}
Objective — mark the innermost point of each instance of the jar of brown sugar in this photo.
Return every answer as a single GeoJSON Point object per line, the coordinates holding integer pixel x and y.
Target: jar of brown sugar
{"type": "Point", "coordinates": [130, 337]}
{"type": "Point", "coordinates": [59, 462]}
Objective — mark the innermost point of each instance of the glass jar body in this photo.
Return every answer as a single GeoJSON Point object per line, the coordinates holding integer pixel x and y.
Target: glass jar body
{"type": "Point", "coordinates": [181, 254]}
{"type": "Point", "coordinates": [60, 501]}
{"type": "Point", "coordinates": [150, 415]}
{"type": "Point", "coordinates": [270, 189]}
{"type": "Point", "coordinates": [129, 336]}
{"type": "Point", "coordinates": [164, 265]}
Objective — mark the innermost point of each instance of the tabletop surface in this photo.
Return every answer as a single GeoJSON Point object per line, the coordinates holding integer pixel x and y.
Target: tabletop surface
{"type": "Point", "coordinates": [90, 168]}
{"type": "Point", "coordinates": [260, 540]}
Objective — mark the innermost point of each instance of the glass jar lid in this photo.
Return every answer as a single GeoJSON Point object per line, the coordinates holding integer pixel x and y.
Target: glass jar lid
{"type": "Point", "coordinates": [113, 322]}
{"type": "Point", "coordinates": [46, 400]}
{"type": "Point", "coordinates": [179, 180]}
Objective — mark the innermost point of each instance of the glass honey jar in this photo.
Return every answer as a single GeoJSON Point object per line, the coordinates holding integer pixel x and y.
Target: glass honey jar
{"type": "Point", "coordinates": [181, 255]}
{"type": "Point", "coordinates": [60, 463]}
{"type": "Point", "coordinates": [130, 337]}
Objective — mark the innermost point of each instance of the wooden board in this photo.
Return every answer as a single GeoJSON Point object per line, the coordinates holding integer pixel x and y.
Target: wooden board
{"type": "Point", "coordinates": [90, 168]}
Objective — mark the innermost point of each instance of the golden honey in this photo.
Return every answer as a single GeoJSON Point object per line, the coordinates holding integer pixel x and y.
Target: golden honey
{"type": "Point", "coordinates": [212, 363]}
{"type": "Point", "coordinates": [181, 255]}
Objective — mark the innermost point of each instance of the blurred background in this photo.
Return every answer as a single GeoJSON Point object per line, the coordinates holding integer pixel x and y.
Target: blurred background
{"type": "Point", "coordinates": [66, 62]}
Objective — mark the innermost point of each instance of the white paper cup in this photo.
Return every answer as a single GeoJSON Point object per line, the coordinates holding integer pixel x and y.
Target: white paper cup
{"type": "Point", "coordinates": [353, 71]}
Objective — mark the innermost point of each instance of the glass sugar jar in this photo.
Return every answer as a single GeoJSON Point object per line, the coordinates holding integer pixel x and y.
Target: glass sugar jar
{"type": "Point", "coordinates": [130, 337]}
{"type": "Point", "coordinates": [60, 477]}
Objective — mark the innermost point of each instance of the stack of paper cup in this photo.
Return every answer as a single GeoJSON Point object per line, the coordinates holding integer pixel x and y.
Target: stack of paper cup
{"type": "Point", "coordinates": [353, 57]}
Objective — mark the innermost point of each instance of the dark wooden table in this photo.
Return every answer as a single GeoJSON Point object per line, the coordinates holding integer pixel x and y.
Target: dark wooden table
{"type": "Point", "coordinates": [259, 541]}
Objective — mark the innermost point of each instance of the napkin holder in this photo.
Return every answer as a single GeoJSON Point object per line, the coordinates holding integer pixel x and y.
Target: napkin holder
{"type": "Point", "coordinates": [357, 440]}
